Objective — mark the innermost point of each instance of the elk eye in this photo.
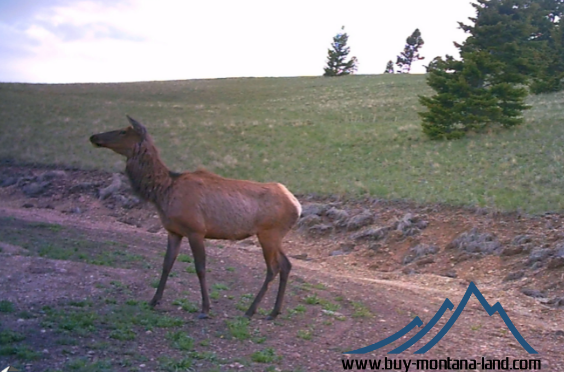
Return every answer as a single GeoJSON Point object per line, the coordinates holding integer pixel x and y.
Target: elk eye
{"type": "Point", "coordinates": [122, 132]}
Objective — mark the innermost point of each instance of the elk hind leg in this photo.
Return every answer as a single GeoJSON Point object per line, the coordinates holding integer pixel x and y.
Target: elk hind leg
{"type": "Point", "coordinates": [285, 267]}
{"type": "Point", "coordinates": [270, 243]}
{"type": "Point", "coordinates": [199, 253]}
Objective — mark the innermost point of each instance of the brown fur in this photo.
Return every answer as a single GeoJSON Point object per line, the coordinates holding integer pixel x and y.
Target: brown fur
{"type": "Point", "coordinates": [200, 205]}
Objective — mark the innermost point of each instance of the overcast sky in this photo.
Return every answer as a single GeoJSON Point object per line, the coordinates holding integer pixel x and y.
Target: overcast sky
{"type": "Point", "coordinates": [66, 41]}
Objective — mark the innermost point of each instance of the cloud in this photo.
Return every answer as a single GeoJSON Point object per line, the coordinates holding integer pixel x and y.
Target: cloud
{"type": "Point", "coordinates": [131, 40]}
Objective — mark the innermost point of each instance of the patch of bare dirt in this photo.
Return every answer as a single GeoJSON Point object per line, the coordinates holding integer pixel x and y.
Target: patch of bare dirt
{"type": "Point", "coordinates": [397, 259]}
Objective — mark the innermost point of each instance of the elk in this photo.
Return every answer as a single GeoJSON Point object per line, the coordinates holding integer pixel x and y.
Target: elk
{"type": "Point", "coordinates": [201, 205]}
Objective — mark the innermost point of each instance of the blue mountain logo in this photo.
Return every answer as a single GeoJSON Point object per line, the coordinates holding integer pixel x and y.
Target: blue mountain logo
{"type": "Point", "coordinates": [472, 290]}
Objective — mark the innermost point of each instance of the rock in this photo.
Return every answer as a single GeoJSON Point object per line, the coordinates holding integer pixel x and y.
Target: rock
{"type": "Point", "coordinates": [28, 205]}
{"type": "Point", "coordinates": [375, 233]}
{"type": "Point", "coordinates": [538, 256]}
{"type": "Point", "coordinates": [314, 208]}
{"type": "Point", "coordinates": [424, 261]}
{"type": "Point", "coordinates": [52, 174]}
{"type": "Point", "coordinates": [75, 210]}
{"type": "Point", "coordinates": [360, 220]}
{"type": "Point", "coordinates": [301, 256]}
{"type": "Point", "coordinates": [9, 181]}
{"type": "Point", "coordinates": [418, 251]}
{"type": "Point", "coordinates": [532, 293]}
{"type": "Point", "coordinates": [451, 274]}
{"type": "Point", "coordinates": [461, 257]}
{"type": "Point", "coordinates": [309, 221]}
{"type": "Point", "coordinates": [347, 247]}
{"type": "Point", "coordinates": [337, 215]}
{"type": "Point", "coordinates": [410, 225]}
{"type": "Point", "coordinates": [514, 276]}
{"type": "Point", "coordinates": [35, 188]}
{"type": "Point", "coordinates": [521, 239]}
{"type": "Point", "coordinates": [559, 250]}
{"type": "Point", "coordinates": [476, 243]}
{"type": "Point", "coordinates": [559, 333]}
{"type": "Point", "coordinates": [130, 221]}
{"type": "Point", "coordinates": [512, 251]}
{"type": "Point", "coordinates": [321, 229]}
{"type": "Point", "coordinates": [131, 202]}
{"type": "Point", "coordinates": [338, 253]}
{"type": "Point", "coordinates": [154, 229]}
{"type": "Point", "coordinates": [375, 246]}
{"type": "Point", "coordinates": [114, 186]}
{"type": "Point", "coordinates": [409, 270]}
{"type": "Point", "coordinates": [555, 263]}
{"type": "Point", "coordinates": [556, 301]}
{"type": "Point", "coordinates": [83, 187]}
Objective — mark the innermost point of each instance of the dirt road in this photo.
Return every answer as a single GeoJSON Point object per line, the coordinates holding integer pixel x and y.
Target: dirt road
{"type": "Point", "coordinates": [77, 271]}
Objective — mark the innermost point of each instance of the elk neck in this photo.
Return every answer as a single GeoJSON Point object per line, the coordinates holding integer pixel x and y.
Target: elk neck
{"type": "Point", "coordinates": [149, 176]}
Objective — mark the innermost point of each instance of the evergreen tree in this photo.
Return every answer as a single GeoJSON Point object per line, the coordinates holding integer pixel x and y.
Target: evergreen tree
{"type": "Point", "coordinates": [337, 64]}
{"type": "Point", "coordinates": [389, 67]}
{"type": "Point", "coordinates": [550, 34]}
{"type": "Point", "coordinates": [410, 52]}
{"type": "Point", "coordinates": [505, 29]}
{"type": "Point", "coordinates": [487, 86]}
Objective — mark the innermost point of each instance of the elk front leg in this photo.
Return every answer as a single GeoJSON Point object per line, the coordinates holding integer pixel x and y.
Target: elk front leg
{"type": "Point", "coordinates": [172, 249]}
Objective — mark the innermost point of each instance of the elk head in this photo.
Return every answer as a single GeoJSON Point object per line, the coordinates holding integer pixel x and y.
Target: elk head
{"type": "Point", "coordinates": [121, 141]}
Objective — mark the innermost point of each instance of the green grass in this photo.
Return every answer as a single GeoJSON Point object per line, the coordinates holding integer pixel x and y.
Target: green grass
{"type": "Point", "coordinates": [60, 243]}
{"type": "Point", "coordinates": [83, 365]}
{"type": "Point", "coordinates": [8, 337]}
{"type": "Point", "coordinates": [186, 305]}
{"type": "Point", "coordinates": [312, 299]}
{"type": "Point", "coordinates": [6, 306]}
{"type": "Point", "coordinates": [180, 340]}
{"type": "Point", "coordinates": [175, 365]}
{"type": "Point", "coordinates": [360, 310]}
{"type": "Point", "coordinates": [185, 258]}
{"type": "Point", "coordinates": [267, 355]}
{"type": "Point", "coordinates": [239, 328]}
{"type": "Point", "coordinates": [353, 135]}
{"type": "Point", "coordinates": [305, 334]}
{"type": "Point", "coordinates": [220, 287]}
{"type": "Point", "coordinates": [22, 352]}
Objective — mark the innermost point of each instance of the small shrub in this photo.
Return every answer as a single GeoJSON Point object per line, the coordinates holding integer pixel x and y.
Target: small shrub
{"type": "Point", "coordinates": [312, 300]}
{"type": "Point", "coordinates": [180, 340]}
{"type": "Point", "coordinates": [6, 307]}
{"type": "Point", "coordinates": [185, 258]}
{"type": "Point", "coordinates": [172, 365]}
{"type": "Point", "coordinates": [305, 334]}
{"type": "Point", "coordinates": [265, 356]}
{"type": "Point", "coordinates": [122, 334]}
{"type": "Point", "coordinates": [186, 305]}
{"type": "Point", "coordinates": [360, 310]}
{"type": "Point", "coordinates": [239, 328]}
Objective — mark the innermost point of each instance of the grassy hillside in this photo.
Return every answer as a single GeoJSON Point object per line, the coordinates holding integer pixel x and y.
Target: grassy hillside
{"type": "Point", "coordinates": [354, 135]}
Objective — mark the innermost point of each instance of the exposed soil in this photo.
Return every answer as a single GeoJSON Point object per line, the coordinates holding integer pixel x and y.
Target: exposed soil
{"type": "Point", "coordinates": [329, 263]}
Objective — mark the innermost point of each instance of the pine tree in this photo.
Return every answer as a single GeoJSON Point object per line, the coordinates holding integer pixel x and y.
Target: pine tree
{"type": "Point", "coordinates": [505, 29]}
{"type": "Point", "coordinates": [410, 52]}
{"type": "Point", "coordinates": [487, 86]}
{"type": "Point", "coordinates": [389, 67]}
{"type": "Point", "coordinates": [337, 64]}
{"type": "Point", "coordinates": [550, 34]}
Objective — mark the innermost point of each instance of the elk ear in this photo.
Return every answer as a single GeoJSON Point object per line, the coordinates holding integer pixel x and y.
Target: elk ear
{"type": "Point", "coordinates": [139, 128]}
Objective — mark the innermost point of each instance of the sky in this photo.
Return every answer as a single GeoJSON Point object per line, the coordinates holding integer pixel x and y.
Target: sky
{"type": "Point", "coordinates": [74, 41]}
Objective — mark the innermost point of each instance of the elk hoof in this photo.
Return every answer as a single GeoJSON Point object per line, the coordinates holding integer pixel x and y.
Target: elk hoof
{"type": "Point", "coordinates": [153, 303]}
{"type": "Point", "coordinates": [271, 317]}
{"type": "Point", "coordinates": [203, 316]}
